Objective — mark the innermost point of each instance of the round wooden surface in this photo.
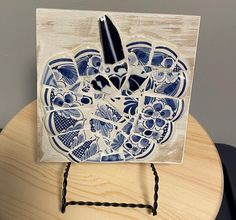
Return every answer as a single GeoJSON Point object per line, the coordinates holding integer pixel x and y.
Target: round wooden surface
{"type": "Point", "coordinates": [32, 190]}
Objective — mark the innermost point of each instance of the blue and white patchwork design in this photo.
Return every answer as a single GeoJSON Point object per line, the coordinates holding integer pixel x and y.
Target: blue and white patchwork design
{"type": "Point", "coordinates": [116, 112]}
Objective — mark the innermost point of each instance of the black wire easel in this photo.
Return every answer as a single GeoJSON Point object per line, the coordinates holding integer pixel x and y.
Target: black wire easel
{"type": "Point", "coordinates": [65, 203]}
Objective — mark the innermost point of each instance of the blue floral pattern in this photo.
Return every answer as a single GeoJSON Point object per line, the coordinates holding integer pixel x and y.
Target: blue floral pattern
{"type": "Point", "coordinates": [88, 62]}
{"type": "Point", "coordinates": [138, 146]}
{"type": "Point", "coordinates": [128, 110]}
{"type": "Point", "coordinates": [53, 98]}
{"type": "Point", "coordinates": [101, 127]}
{"type": "Point", "coordinates": [118, 141]}
{"type": "Point", "coordinates": [108, 113]}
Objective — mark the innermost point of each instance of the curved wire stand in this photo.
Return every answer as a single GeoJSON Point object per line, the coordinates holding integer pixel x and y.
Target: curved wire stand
{"type": "Point", "coordinates": [153, 207]}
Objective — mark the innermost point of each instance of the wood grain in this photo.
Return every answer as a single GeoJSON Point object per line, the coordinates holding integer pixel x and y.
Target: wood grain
{"type": "Point", "coordinates": [31, 190]}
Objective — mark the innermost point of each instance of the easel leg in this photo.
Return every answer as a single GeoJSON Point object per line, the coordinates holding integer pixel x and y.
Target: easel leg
{"type": "Point", "coordinates": [153, 207]}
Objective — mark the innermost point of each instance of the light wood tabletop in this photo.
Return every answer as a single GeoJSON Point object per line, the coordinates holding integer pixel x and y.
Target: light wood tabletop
{"type": "Point", "coordinates": [32, 191]}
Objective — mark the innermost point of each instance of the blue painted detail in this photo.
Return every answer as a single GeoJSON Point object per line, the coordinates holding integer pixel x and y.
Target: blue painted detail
{"type": "Point", "coordinates": [68, 73]}
{"type": "Point", "coordinates": [138, 146]}
{"type": "Point", "coordinates": [86, 51]}
{"type": "Point", "coordinates": [86, 100]}
{"type": "Point", "coordinates": [131, 105]}
{"type": "Point", "coordinates": [50, 124]}
{"type": "Point", "coordinates": [85, 150]}
{"type": "Point", "coordinates": [95, 158]}
{"type": "Point", "coordinates": [157, 59]}
{"type": "Point", "coordinates": [60, 60]}
{"type": "Point", "coordinates": [62, 121]}
{"type": "Point", "coordinates": [184, 86]}
{"type": "Point", "coordinates": [118, 74]}
{"type": "Point", "coordinates": [88, 62]}
{"type": "Point", "coordinates": [148, 112]}
{"type": "Point", "coordinates": [109, 113]}
{"type": "Point", "coordinates": [100, 82]}
{"type": "Point", "coordinates": [58, 101]}
{"type": "Point", "coordinates": [177, 116]}
{"type": "Point", "coordinates": [69, 98]}
{"type": "Point", "coordinates": [71, 139]}
{"type": "Point", "coordinates": [183, 64]}
{"type": "Point", "coordinates": [168, 63]}
{"type": "Point", "coordinates": [144, 142]}
{"type": "Point", "coordinates": [159, 122]}
{"type": "Point", "coordinates": [149, 123]}
{"type": "Point", "coordinates": [165, 113]}
{"type": "Point", "coordinates": [73, 159]}
{"type": "Point", "coordinates": [45, 96]}
{"type": "Point", "coordinates": [75, 87]}
{"type": "Point", "coordinates": [127, 128]}
{"type": "Point", "coordinates": [150, 150]}
{"type": "Point", "coordinates": [103, 128]}
{"type": "Point", "coordinates": [68, 84]}
{"type": "Point", "coordinates": [58, 146]}
{"type": "Point", "coordinates": [157, 118]}
{"type": "Point", "coordinates": [135, 82]}
{"type": "Point", "coordinates": [118, 141]}
{"type": "Point", "coordinates": [142, 55]}
{"type": "Point", "coordinates": [168, 49]}
{"type": "Point", "coordinates": [128, 156]}
{"type": "Point", "coordinates": [48, 77]}
{"type": "Point", "coordinates": [136, 138]}
{"type": "Point", "coordinates": [64, 71]}
{"type": "Point", "coordinates": [112, 157]}
{"type": "Point", "coordinates": [68, 141]}
{"type": "Point", "coordinates": [58, 98]}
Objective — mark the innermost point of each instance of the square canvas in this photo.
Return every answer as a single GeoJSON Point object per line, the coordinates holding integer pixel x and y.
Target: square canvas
{"type": "Point", "coordinates": [113, 87]}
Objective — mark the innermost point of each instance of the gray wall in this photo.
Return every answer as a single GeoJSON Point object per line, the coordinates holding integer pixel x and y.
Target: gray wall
{"type": "Point", "coordinates": [213, 97]}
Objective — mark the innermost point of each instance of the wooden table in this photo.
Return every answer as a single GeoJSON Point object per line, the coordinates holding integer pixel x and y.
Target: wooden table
{"type": "Point", "coordinates": [30, 190]}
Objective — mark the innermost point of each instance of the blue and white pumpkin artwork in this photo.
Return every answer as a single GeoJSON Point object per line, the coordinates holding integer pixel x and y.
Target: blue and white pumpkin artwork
{"type": "Point", "coordinates": [119, 102]}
